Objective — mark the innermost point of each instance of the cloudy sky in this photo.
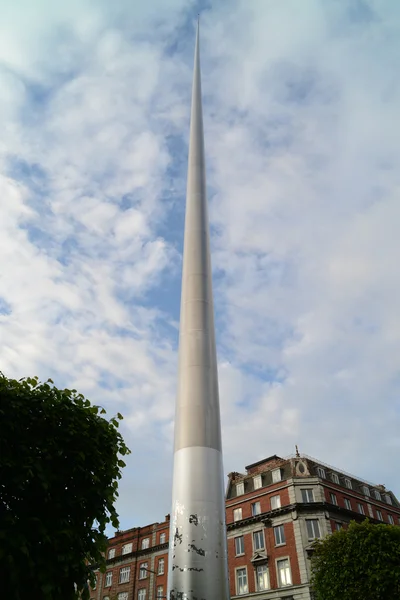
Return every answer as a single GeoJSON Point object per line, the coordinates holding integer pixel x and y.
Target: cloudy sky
{"type": "Point", "coordinates": [302, 125]}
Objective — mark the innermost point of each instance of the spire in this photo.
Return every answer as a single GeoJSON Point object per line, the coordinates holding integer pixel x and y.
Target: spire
{"type": "Point", "coordinates": [197, 562]}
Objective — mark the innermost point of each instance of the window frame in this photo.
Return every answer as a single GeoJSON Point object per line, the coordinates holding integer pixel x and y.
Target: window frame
{"type": "Point", "coordinates": [361, 506]}
{"type": "Point", "coordinates": [366, 491]}
{"type": "Point", "coordinates": [240, 488]}
{"type": "Point", "coordinates": [160, 587]}
{"type": "Point", "coordinates": [278, 496]}
{"type": "Point", "coordinates": [281, 529]}
{"type": "Point", "coordinates": [388, 498]}
{"type": "Point", "coordinates": [379, 514]}
{"type": "Point", "coordinates": [161, 561]}
{"type": "Point", "coordinates": [278, 571]}
{"type": "Point", "coordinates": [246, 591]}
{"type": "Point", "coordinates": [321, 472]}
{"type": "Point", "coordinates": [260, 535]}
{"type": "Point", "coordinates": [237, 510]}
{"type": "Point", "coordinates": [111, 553]}
{"type": "Point", "coordinates": [307, 490]}
{"type": "Point", "coordinates": [122, 574]}
{"type": "Point", "coordinates": [266, 571]}
{"type": "Point", "coordinates": [314, 525]}
{"type": "Point", "coordinates": [347, 501]}
{"type": "Point", "coordinates": [276, 475]}
{"type": "Point", "coordinates": [144, 568]}
{"type": "Point", "coordinates": [142, 596]}
{"type": "Point", "coordinates": [335, 478]}
{"type": "Point", "coordinates": [390, 519]}
{"type": "Point", "coordinates": [123, 596]}
{"type": "Point", "coordinates": [145, 543]}
{"type": "Point", "coordinates": [333, 499]}
{"type": "Point", "coordinates": [239, 537]}
{"type": "Point", "coordinates": [106, 585]}
{"type": "Point", "coordinates": [257, 482]}
{"type": "Point", "coordinates": [128, 545]}
{"type": "Point", "coordinates": [253, 504]}
{"type": "Point", "coordinates": [347, 483]}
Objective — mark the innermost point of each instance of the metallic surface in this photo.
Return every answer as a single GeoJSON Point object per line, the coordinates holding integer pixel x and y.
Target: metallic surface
{"type": "Point", "coordinates": [198, 557]}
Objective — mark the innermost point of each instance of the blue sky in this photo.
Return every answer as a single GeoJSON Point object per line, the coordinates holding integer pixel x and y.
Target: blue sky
{"type": "Point", "coordinates": [301, 110]}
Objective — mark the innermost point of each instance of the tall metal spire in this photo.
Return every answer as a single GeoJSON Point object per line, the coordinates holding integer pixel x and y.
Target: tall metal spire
{"type": "Point", "coordinates": [198, 557]}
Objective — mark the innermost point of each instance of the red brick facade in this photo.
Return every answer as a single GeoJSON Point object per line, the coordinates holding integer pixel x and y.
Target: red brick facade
{"type": "Point", "coordinates": [284, 503]}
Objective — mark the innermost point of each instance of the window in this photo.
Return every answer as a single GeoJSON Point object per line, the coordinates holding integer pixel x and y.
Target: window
{"type": "Point", "coordinates": [160, 570]}
{"type": "Point", "coordinates": [141, 594]}
{"type": "Point", "coordinates": [360, 508]}
{"type": "Point", "coordinates": [145, 543]}
{"type": "Point", "coordinates": [347, 504]}
{"type": "Point", "coordinates": [95, 582]}
{"type": "Point", "coordinates": [257, 481]}
{"type": "Point", "coordinates": [106, 597]}
{"type": "Point", "coordinates": [313, 529]}
{"type": "Point", "coordinates": [162, 538]}
{"type": "Point", "coordinates": [160, 591]}
{"type": "Point", "coordinates": [379, 515]}
{"type": "Point", "coordinates": [279, 533]}
{"type": "Point", "coordinates": [377, 495]}
{"type": "Point", "coordinates": [240, 489]}
{"type": "Point", "coordinates": [237, 514]}
{"type": "Point", "coordinates": [239, 545]}
{"type": "Point", "coordinates": [124, 574]}
{"type": "Point", "coordinates": [307, 495]}
{"type": "Point", "coordinates": [347, 483]}
{"type": "Point", "coordinates": [390, 519]}
{"type": "Point", "coordinates": [108, 582]}
{"type": "Point", "coordinates": [284, 575]}
{"type": "Point", "coordinates": [338, 526]}
{"type": "Point", "coordinates": [111, 553]}
{"type": "Point", "coordinates": [127, 549]}
{"type": "Point", "coordinates": [388, 499]}
{"type": "Point", "coordinates": [123, 596]}
{"type": "Point", "coordinates": [262, 578]}
{"type": "Point", "coordinates": [365, 490]}
{"type": "Point", "coordinates": [241, 581]}
{"type": "Point", "coordinates": [258, 541]}
{"type": "Point", "coordinates": [275, 502]}
{"type": "Point", "coordinates": [335, 478]}
{"type": "Point", "coordinates": [255, 509]}
{"type": "Point", "coordinates": [321, 472]}
{"type": "Point", "coordinates": [333, 498]}
{"type": "Point", "coordinates": [143, 570]}
{"type": "Point", "coordinates": [276, 475]}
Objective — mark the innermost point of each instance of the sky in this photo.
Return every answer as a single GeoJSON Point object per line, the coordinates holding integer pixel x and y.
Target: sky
{"type": "Point", "coordinates": [302, 126]}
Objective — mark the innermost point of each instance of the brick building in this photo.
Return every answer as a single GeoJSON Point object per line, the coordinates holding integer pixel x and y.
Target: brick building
{"type": "Point", "coordinates": [274, 511]}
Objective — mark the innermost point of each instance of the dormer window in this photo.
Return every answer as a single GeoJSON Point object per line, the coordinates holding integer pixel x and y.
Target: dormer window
{"type": "Point", "coordinates": [257, 482]}
{"type": "Point", "coordinates": [365, 490]}
{"type": "Point", "coordinates": [377, 495]}
{"type": "Point", "coordinates": [276, 475]}
{"type": "Point", "coordinates": [240, 489]}
{"type": "Point", "coordinates": [388, 499]}
{"type": "Point", "coordinates": [321, 472]}
{"type": "Point", "coordinates": [335, 478]}
{"type": "Point", "coordinates": [347, 483]}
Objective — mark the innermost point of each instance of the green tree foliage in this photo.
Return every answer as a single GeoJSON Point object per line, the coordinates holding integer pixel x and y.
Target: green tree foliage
{"type": "Point", "coordinates": [59, 470]}
{"type": "Point", "coordinates": [360, 563]}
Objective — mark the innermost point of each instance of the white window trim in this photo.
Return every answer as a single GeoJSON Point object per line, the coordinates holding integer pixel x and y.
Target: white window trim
{"type": "Point", "coordinates": [111, 553]}
{"type": "Point", "coordinates": [347, 483]}
{"type": "Point", "coordinates": [347, 501]}
{"type": "Point", "coordinates": [280, 543]}
{"type": "Point", "coordinates": [236, 538]}
{"type": "Point", "coordinates": [279, 473]}
{"type": "Point", "coordinates": [256, 579]}
{"type": "Point", "coordinates": [122, 576]}
{"type": "Point", "coordinates": [321, 472]}
{"type": "Point", "coordinates": [263, 537]}
{"type": "Point", "coordinates": [333, 498]}
{"type": "Point", "coordinates": [163, 537]}
{"type": "Point", "coordinates": [145, 543]}
{"type": "Point", "coordinates": [257, 482]}
{"type": "Point", "coordinates": [241, 514]}
{"type": "Point", "coordinates": [319, 529]}
{"type": "Point", "coordinates": [142, 596]}
{"type": "Point", "coordinates": [105, 579]}
{"type": "Point", "coordinates": [161, 561]}
{"type": "Point", "coordinates": [362, 511]}
{"type": "Point", "coordinates": [379, 512]}
{"type": "Point", "coordinates": [143, 569]}
{"type": "Point", "coordinates": [254, 514]}
{"type": "Point", "coordinates": [124, 551]}
{"type": "Point", "coordinates": [308, 490]}
{"type": "Point", "coordinates": [366, 491]}
{"type": "Point", "coordinates": [277, 571]}
{"type": "Point", "coordinates": [390, 519]}
{"type": "Point", "coordinates": [279, 501]}
{"type": "Point", "coordinates": [335, 478]}
{"type": "Point", "coordinates": [236, 580]}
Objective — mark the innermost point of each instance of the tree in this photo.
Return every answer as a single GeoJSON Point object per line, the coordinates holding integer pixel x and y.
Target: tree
{"type": "Point", "coordinates": [360, 563]}
{"type": "Point", "coordinates": [59, 470]}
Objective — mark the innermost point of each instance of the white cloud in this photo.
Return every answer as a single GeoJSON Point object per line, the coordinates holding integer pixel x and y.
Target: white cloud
{"type": "Point", "coordinates": [301, 113]}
